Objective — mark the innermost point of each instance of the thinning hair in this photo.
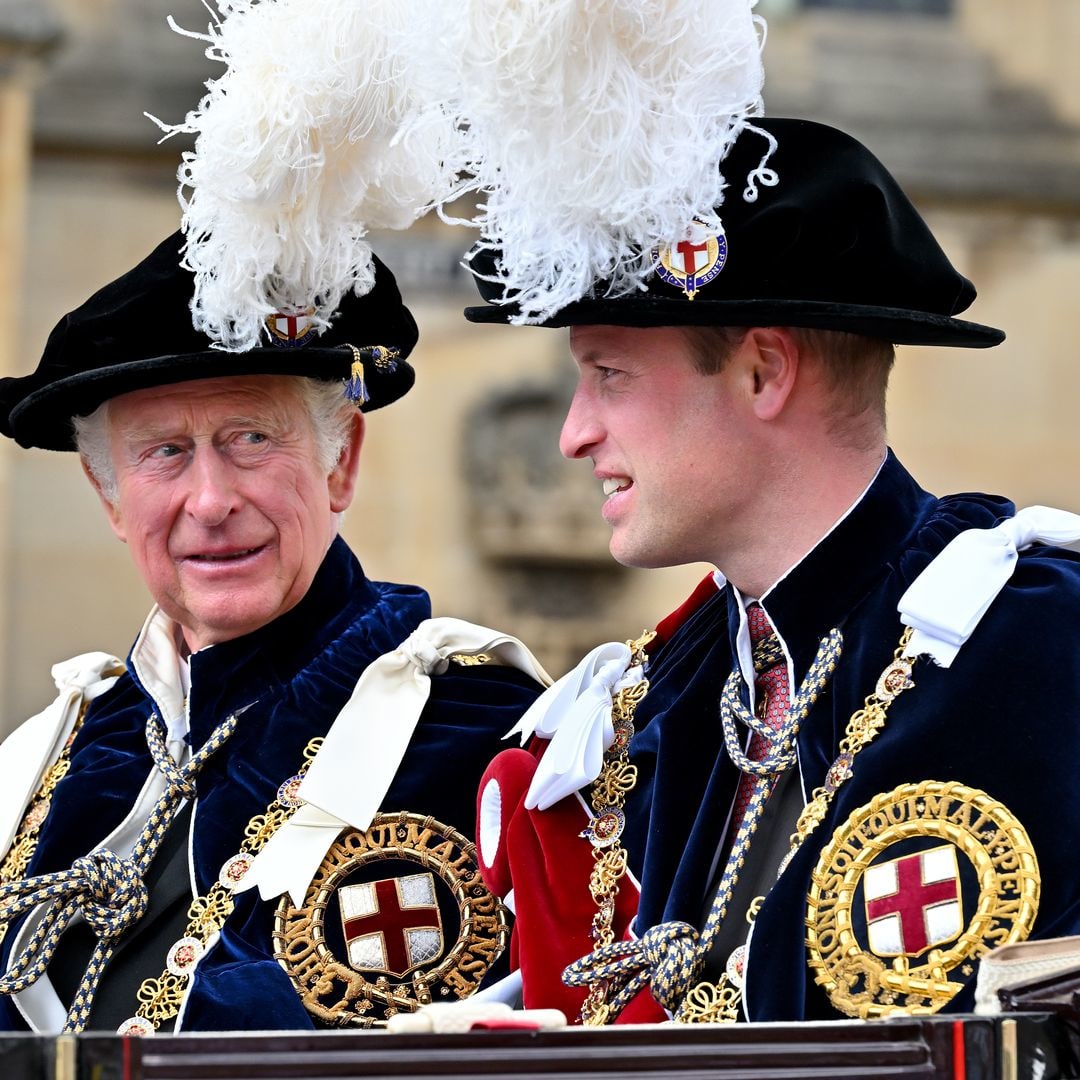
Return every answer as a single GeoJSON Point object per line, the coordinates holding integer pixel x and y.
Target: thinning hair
{"type": "Point", "coordinates": [856, 367]}
{"type": "Point", "coordinates": [328, 411]}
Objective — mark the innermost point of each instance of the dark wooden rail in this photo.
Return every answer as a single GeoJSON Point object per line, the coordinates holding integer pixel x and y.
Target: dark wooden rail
{"type": "Point", "coordinates": [944, 1048]}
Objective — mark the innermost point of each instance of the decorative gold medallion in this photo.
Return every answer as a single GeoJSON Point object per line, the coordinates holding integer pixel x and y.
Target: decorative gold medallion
{"type": "Point", "coordinates": [234, 869]}
{"type": "Point", "coordinates": [895, 679]}
{"type": "Point", "coordinates": [395, 917]}
{"type": "Point", "coordinates": [184, 956]}
{"type": "Point", "coordinates": [136, 1026]}
{"type": "Point", "coordinates": [692, 262]}
{"type": "Point", "coordinates": [288, 794]}
{"type": "Point", "coordinates": [605, 827]}
{"type": "Point", "coordinates": [886, 923]}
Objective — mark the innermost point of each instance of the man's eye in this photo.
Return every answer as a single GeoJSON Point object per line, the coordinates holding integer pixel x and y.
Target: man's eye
{"type": "Point", "coordinates": [253, 438]}
{"type": "Point", "coordinates": [167, 450]}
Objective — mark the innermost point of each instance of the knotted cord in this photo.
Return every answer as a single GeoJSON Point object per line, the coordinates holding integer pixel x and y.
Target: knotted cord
{"type": "Point", "coordinates": [108, 890]}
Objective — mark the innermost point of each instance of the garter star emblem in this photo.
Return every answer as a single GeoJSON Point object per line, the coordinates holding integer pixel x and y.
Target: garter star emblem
{"type": "Point", "coordinates": [692, 262]}
{"type": "Point", "coordinates": [396, 917]}
{"type": "Point", "coordinates": [912, 890]}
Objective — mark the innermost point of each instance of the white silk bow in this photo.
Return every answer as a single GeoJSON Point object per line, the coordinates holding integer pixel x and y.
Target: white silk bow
{"type": "Point", "coordinates": [946, 601]}
{"type": "Point", "coordinates": [33, 746]}
{"type": "Point", "coordinates": [352, 772]}
{"type": "Point", "coordinates": [575, 714]}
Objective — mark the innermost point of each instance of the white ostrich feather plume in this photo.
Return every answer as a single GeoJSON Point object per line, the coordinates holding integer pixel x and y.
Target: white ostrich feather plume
{"type": "Point", "coordinates": [299, 151]}
{"type": "Point", "coordinates": [593, 129]}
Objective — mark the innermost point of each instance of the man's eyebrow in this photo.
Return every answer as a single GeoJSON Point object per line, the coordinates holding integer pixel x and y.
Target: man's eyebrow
{"type": "Point", "coordinates": [143, 433]}
{"type": "Point", "coordinates": [273, 420]}
{"type": "Point", "coordinates": [151, 432]}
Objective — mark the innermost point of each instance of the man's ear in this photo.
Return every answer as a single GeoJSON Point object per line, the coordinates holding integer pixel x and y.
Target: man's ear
{"type": "Point", "coordinates": [774, 360]}
{"type": "Point", "coordinates": [342, 478]}
{"type": "Point", "coordinates": [112, 510]}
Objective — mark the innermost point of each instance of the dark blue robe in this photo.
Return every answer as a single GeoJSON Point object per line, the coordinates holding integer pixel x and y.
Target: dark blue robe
{"type": "Point", "coordinates": [1004, 719]}
{"type": "Point", "coordinates": [294, 676]}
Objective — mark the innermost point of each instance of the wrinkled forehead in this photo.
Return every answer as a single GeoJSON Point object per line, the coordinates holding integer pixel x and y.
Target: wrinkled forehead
{"type": "Point", "coordinates": [276, 399]}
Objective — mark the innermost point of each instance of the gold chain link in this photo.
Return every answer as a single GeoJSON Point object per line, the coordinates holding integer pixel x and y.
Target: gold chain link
{"type": "Point", "coordinates": [861, 730]}
{"type": "Point", "coordinates": [160, 999]}
{"type": "Point", "coordinates": [608, 795]}
{"type": "Point", "coordinates": [719, 1002]}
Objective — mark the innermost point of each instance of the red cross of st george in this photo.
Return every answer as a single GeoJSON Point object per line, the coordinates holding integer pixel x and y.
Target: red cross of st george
{"type": "Point", "coordinates": [687, 251]}
{"type": "Point", "coordinates": [910, 901]}
{"type": "Point", "coordinates": [392, 920]}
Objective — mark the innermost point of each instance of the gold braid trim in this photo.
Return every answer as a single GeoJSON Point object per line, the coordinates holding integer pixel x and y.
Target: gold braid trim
{"type": "Point", "coordinates": [607, 798]}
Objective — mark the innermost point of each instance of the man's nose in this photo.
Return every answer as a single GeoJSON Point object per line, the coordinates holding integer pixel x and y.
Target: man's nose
{"type": "Point", "coordinates": [213, 494]}
{"type": "Point", "coordinates": [580, 430]}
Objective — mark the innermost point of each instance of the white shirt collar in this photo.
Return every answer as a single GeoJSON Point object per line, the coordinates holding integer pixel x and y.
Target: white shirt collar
{"type": "Point", "coordinates": [743, 647]}
{"type": "Point", "coordinates": [163, 671]}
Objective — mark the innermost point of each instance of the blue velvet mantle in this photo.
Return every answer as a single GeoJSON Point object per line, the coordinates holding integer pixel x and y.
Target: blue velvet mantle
{"type": "Point", "coordinates": [1004, 718]}
{"type": "Point", "coordinates": [293, 676]}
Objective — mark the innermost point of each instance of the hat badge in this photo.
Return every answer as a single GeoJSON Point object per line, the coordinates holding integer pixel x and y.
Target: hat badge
{"type": "Point", "coordinates": [291, 329]}
{"type": "Point", "coordinates": [693, 261]}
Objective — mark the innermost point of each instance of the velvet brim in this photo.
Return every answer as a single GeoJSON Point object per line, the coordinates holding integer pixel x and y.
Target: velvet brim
{"type": "Point", "coordinates": [42, 418]}
{"type": "Point", "coordinates": [900, 326]}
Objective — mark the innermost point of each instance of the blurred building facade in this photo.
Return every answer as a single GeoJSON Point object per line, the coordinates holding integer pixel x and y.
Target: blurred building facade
{"type": "Point", "coordinates": [974, 104]}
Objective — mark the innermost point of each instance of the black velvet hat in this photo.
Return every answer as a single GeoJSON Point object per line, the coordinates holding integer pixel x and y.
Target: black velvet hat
{"type": "Point", "coordinates": [137, 332]}
{"type": "Point", "coordinates": [834, 245]}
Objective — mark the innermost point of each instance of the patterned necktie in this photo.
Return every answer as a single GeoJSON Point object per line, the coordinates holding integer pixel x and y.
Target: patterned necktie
{"type": "Point", "coordinates": [773, 699]}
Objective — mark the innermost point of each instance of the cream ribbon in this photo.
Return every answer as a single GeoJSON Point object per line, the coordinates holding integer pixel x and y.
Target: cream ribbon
{"type": "Point", "coordinates": [946, 601]}
{"type": "Point", "coordinates": [348, 779]}
{"type": "Point", "coordinates": [575, 714]}
{"type": "Point", "coordinates": [36, 744]}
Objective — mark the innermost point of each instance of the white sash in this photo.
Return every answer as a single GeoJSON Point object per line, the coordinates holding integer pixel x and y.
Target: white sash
{"type": "Point", "coordinates": [350, 776]}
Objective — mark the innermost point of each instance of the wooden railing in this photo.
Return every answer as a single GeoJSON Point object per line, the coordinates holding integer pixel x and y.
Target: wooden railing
{"type": "Point", "coordinates": [944, 1048]}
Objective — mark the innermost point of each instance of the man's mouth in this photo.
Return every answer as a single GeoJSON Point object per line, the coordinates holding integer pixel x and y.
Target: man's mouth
{"type": "Point", "coordinates": [615, 484]}
{"type": "Point", "coordinates": [223, 556]}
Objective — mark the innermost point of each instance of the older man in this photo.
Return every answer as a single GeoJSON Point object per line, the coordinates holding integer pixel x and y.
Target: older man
{"type": "Point", "coordinates": [882, 797]}
{"type": "Point", "coordinates": [137, 804]}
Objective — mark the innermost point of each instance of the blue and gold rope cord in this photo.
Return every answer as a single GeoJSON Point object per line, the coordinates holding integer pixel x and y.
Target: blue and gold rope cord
{"type": "Point", "coordinates": [669, 956]}
{"type": "Point", "coordinates": [109, 891]}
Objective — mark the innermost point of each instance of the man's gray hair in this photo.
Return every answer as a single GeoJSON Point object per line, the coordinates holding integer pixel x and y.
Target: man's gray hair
{"type": "Point", "coordinates": [329, 411]}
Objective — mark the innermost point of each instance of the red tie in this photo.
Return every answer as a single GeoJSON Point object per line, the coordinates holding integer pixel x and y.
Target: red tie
{"type": "Point", "coordinates": [773, 696]}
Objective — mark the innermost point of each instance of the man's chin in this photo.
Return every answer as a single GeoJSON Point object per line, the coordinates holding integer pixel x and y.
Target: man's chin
{"type": "Point", "coordinates": [639, 556]}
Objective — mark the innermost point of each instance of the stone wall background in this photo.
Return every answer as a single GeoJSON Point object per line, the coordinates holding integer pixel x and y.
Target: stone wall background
{"type": "Point", "coordinates": [974, 104]}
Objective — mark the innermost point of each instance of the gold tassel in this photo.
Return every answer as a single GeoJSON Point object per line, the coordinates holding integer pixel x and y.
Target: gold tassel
{"type": "Point", "coordinates": [356, 388]}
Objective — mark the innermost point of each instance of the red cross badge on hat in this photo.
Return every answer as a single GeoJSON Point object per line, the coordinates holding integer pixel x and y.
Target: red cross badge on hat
{"type": "Point", "coordinates": [291, 329]}
{"type": "Point", "coordinates": [392, 925]}
{"type": "Point", "coordinates": [913, 903]}
{"type": "Point", "coordinates": [692, 262]}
